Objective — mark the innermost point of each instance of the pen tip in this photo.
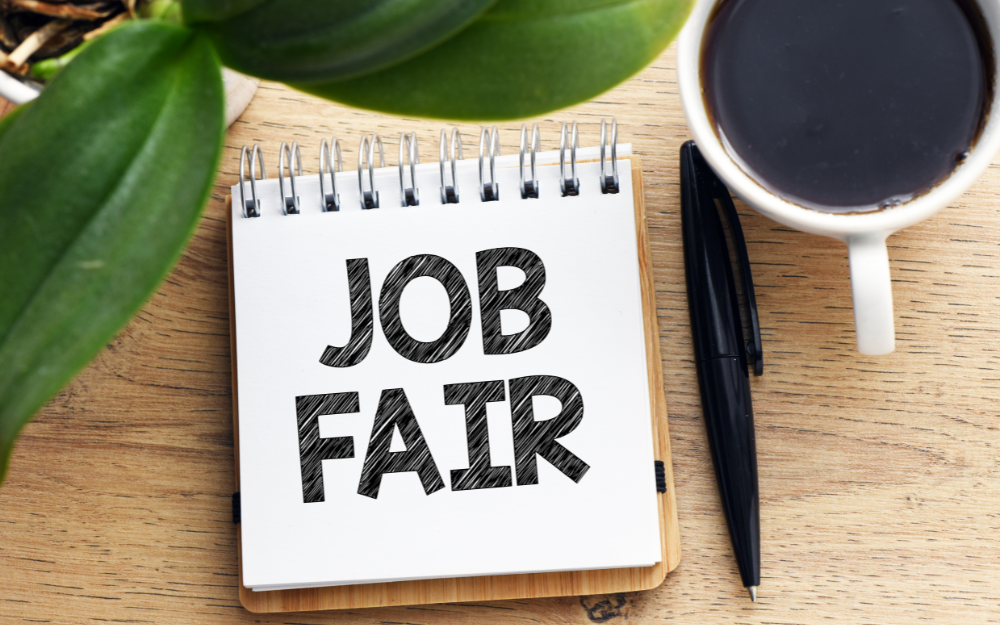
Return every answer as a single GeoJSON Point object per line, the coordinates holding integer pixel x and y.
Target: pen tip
{"type": "Point", "coordinates": [753, 593]}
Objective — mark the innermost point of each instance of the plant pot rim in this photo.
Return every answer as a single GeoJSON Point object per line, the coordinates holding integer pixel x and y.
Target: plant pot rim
{"type": "Point", "coordinates": [16, 91]}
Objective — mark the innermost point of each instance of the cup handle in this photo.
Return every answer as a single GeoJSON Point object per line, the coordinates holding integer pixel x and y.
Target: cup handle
{"type": "Point", "coordinates": [871, 289]}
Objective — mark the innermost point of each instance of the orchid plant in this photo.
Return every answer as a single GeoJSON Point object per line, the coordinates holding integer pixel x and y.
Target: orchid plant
{"type": "Point", "coordinates": [104, 176]}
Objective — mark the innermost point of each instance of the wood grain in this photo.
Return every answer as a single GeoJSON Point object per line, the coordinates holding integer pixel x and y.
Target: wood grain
{"type": "Point", "coordinates": [880, 477]}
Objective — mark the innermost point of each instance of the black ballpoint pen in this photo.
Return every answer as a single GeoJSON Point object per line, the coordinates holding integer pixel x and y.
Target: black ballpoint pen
{"type": "Point", "coordinates": [720, 351]}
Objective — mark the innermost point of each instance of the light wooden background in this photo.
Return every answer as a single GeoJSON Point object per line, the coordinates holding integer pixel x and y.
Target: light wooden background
{"type": "Point", "coordinates": [879, 477]}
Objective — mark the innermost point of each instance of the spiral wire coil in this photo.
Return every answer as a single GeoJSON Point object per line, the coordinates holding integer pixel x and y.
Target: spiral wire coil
{"type": "Point", "coordinates": [490, 140]}
{"type": "Point", "coordinates": [571, 185]}
{"type": "Point", "coordinates": [410, 196]}
{"type": "Point", "coordinates": [449, 193]}
{"type": "Point", "coordinates": [529, 188]}
{"type": "Point", "coordinates": [449, 153]}
{"type": "Point", "coordinates": [609, 184]}
{"type": "Point", "coordinates": [366, 154]}
{"type": "Point", "coordinates": [331, 200]}
{"type": "Point", "coordinates": [251, 207]}
{"type": "Point", "coordinates": [290, 203]}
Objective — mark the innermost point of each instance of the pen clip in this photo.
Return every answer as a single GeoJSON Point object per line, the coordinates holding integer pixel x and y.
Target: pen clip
{"type": "Point", "coordinates": [718, 190]}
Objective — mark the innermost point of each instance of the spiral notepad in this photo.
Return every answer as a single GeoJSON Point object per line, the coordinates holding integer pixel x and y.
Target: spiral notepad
{"type": "Point", "coordinates": [442, 367]}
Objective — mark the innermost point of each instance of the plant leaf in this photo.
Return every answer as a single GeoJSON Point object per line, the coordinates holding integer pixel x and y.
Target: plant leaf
{"type": "Point", "coordinates": [7, 120]}
{"type": "Point", "coordinates": [102, 182]}
{"type": "Point", "coordinates": [522, 58]}
{"type": "Point", "coordinates": [215, 10]}
{"type": "Point", "coordinates": [326, 39]}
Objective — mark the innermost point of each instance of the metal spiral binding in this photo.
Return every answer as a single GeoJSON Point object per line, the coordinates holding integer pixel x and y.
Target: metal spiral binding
{"type": "Point", "coordinates": [330, 201]}
{"type": "Point", "coordinates": [366, 155]}
{"type": "Point", "coordinates": [251, 207]}
{"type": "Point", "coordinates": [529, 188]}
{"type": "Point", "coordinates": [490, 140]}
{"type": "Point", "coordinates": [449, 194]}
{"type": "Point", "coordinates": [290, 203]}
{"type": "Point", "coordinates": [409, 196]}
{"type": "Point", "coordinates": [450, 152]}
{"type": "Point", "coordinates": [609, 184]}
{"type": "Point", "coordinates": [571, 185]}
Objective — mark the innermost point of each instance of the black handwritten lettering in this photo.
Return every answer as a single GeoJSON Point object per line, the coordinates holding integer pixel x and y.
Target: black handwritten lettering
{"type": "Point", "coordinates": [394, 412]}
{"type": "Point", "coordinates": [459, 320]}
{"type": "Point", "coordinates": [313, 450]}
{"type": "Point", "coordinates": [524, 297]}
{"type": "Point", "coordinates": [360, 343]}
{"type": "Point", "coordinates": [475, 396]}
{"type": "Point", "coordinates": [539, 437]}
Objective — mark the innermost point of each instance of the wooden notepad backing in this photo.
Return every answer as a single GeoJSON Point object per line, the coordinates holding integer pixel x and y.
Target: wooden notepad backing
{"type": "Point", "coordinates": [498, 587]}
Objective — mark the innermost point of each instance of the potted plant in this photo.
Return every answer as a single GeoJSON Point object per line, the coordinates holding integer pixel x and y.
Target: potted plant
{"type": "Point", "coordinates": [104, 175]}
{"type": "Point", "coordinates": [32, 52]}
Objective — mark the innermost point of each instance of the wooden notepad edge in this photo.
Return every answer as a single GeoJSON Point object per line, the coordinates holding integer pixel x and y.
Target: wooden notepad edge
{"type": "Point", "coordinates": [497, 587]}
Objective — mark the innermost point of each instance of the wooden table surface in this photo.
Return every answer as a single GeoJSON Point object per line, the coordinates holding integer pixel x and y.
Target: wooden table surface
{"type": "Point", "coordinates": [879, 476]}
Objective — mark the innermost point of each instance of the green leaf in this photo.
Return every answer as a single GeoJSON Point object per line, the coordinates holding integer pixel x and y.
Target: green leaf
{"type": "Point", "coordinates": [8, 120]}
{"type": "Point", "coordinates": [102, 181]}
{"type": "Point", "coordinates": [522, 58]}
{"type": "Point", "coordinates": [326, 39]}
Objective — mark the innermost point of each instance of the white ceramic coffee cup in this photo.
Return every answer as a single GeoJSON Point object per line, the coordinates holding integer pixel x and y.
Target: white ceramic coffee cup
{"type": "Point", "coordinates": [864, 233]}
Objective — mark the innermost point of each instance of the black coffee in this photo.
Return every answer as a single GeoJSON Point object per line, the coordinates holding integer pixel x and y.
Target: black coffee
{"type": "Point", "coordinates": [847, 105]}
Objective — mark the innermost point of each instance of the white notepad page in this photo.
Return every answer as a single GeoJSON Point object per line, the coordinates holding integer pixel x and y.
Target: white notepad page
{"type": "Point", "coordinates": [293, 301]}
